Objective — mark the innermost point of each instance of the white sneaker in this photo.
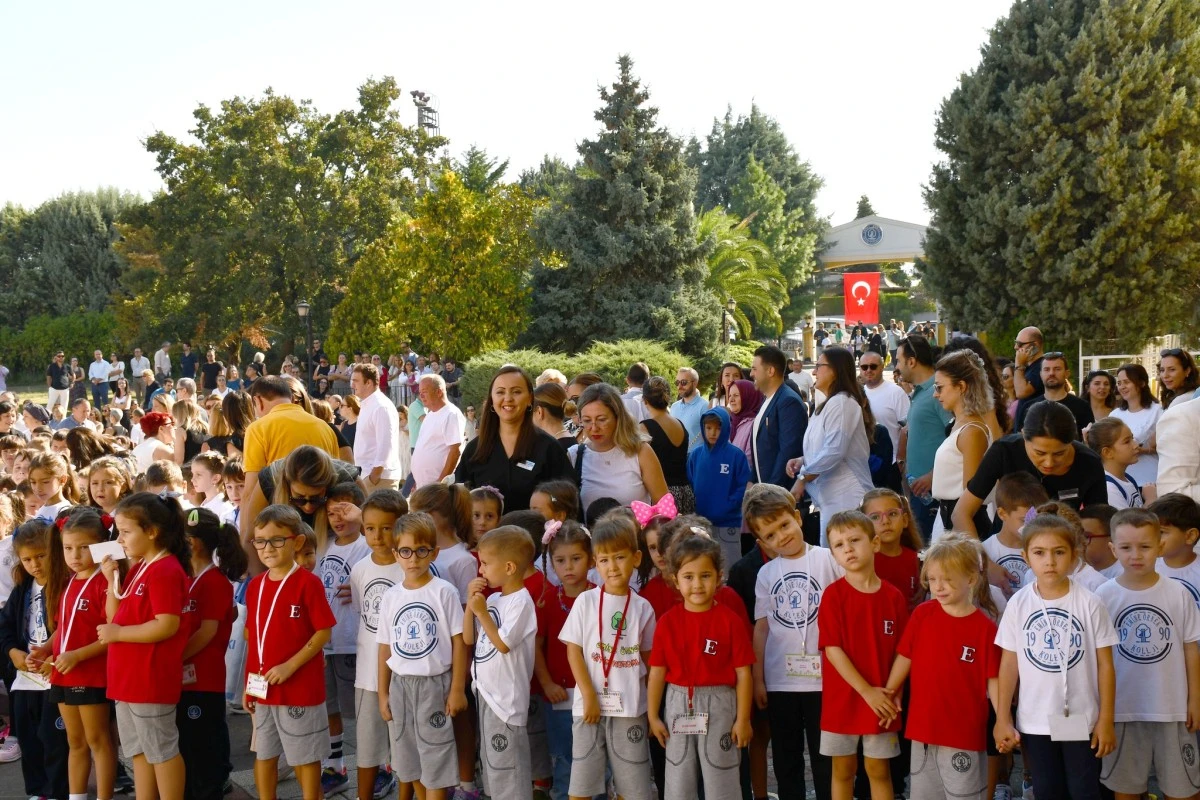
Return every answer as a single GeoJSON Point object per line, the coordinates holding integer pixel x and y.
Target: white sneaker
{"type": "Point", "coordinates": [10, 750]}
{"type": "Point", "coordinates": [1027, 790]}
{"type": "Point", "coordinates": [1003, 792]}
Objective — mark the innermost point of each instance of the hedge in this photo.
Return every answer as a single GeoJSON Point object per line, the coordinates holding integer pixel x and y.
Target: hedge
{"type": "Point", "coordinates": [29, 350]}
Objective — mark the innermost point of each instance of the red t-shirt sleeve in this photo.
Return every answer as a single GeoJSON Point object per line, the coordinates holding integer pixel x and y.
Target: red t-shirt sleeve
{"type": "Point", "coordinates": [743, 647]}
{"type": "Point", "coordinates": [168, 591]}
{"type": "Point", "coordinates": [900, 606]}
{"type": "Point", "coordinates": [213, 602]}
{"type": "Point", "coordinates": [829, 616]}
{"type": "Point", "coordinates": [994, 651]}
{"type": "Point", "coordinates": [664, 643]}
{"type": "Point", "coordinates": [729, 597]}
{"type": "Point", "coordinates": [911, 632]}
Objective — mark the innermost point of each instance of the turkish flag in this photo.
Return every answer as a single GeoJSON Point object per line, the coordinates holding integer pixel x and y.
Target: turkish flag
{"type": "Point", "coordinates": [861, 297]}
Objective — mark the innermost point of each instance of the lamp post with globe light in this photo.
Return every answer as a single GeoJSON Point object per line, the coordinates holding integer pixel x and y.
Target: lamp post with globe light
{"type": "Point", "coordinates": [727, 319]}
{"type": "Point", "coordinates": [303, 309]}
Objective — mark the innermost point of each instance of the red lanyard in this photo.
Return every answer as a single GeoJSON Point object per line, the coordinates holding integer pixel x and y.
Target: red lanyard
{"type": "Point", "coordinates": [606, 667]}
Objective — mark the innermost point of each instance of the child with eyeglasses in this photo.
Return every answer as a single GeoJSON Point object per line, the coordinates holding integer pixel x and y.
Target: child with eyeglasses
{"type": "Point", "coordinates": [422, 663]}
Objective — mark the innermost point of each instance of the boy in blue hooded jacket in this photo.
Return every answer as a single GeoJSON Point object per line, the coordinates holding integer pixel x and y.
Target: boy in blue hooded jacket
{"type": "Point", "coordinates": [719, 473]}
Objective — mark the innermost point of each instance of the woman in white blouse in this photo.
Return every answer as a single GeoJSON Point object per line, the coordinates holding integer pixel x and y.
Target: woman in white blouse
{"type": "Point", "coordinates": [835, 469]}
{"type": "Point", "coordinates": [1137, 409]}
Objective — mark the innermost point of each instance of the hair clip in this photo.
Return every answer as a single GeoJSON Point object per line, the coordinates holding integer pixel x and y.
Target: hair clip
{"type": "Point", "coordinates": [193, 518]}
{"type": "Point", "coordinates": [107, 521]}
{"type": "Point", "coordinates": [552, 527]}
{"type": "Point", "coordinates": [665, 507]}
{"type": "Point", "coordinates": [493, 490]}
{"type": "Point", "coordinates": [1030, 514]}
{"type": "Point", "coordinates": [696, 529]}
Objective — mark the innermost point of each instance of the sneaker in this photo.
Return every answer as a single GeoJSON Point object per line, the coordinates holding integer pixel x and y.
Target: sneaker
{"type": "Point", "coordinates": [463, 794]}
{"type": "Point", "coordinates": [1027, 790]}
{"type": "Point", "coordinates": [123, 783]}
{"type": "Point", "coordinates": [236, 708]}
{"type": "Point", "coordinates": [10, 750]}
{"type": "Point", "coordinates": [385, 783]}
{"type": "Point", "coordinates": [1003, 792]}
{"type": "Point", "coordinates": [333, 781]}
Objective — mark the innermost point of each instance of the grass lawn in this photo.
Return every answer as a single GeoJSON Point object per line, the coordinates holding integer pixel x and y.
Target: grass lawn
{"type": "Point", "coordinates": [36, 393]}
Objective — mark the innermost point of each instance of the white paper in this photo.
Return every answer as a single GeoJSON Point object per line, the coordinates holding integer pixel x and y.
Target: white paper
{"type": "Point", "coordinates": [1069, 729]}
{"type": "Point", "coordinates": [102, 549]}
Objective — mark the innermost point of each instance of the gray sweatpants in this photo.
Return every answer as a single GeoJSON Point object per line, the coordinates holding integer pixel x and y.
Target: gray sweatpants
{"type": "Point", "coordinates": [711, 755]}
{"type": "Point", "coordinates": [506, 770]}
{"type": "Point", "coordinates": [947, 772]}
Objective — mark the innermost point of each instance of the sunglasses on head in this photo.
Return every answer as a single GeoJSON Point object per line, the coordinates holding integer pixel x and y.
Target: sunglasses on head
{"type": "Point", "coordinates": [1173, 352]}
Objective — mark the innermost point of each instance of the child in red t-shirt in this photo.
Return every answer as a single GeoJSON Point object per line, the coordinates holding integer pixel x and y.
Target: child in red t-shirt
{"type": "Point", "coordinates": [897, 561]}
{"type": "Point", "coordinates": [146, 636]}
{"type": "Point", "coordinates": [949, 648]}
{"type": "Point", "coordinates": [568, 548]}
{"type": "Point", "coordinates": [861, 618]}
{"type": "Point", "coordinates": [208, 618]}
{"type": "Point", "coordinates": [288, 622]}
{"type": "Point", "coordinates": [702, 657]}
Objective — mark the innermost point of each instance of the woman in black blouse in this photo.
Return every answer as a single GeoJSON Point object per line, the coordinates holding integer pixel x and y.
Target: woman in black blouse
{"type": "Point", "coordinates": [510, 452]}
{"type": "Point", "coordinates": [669, 441]}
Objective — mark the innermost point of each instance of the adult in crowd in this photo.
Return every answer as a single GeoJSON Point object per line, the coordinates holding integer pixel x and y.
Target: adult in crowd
{"type": "Point", "coordinates": [551, 410]}
{"type": "Point", "coordinates": [85, 445]}
{"type": "Point", "coordinates": [998, 419]}
{"type": "Point", "coordinates": [835, 469]}
{"type": "Point", "coordinates": [925, 431]}
{"type": "Point", "coordinates": [779, 426]}
{"type": "Point", "coordinates": [1005, 366]}
{"type": "Point", "coordinates": [188, 361]}
{"type": "Point", "coordinates": [150, 387]}
{"type": "Point", "coordinates": [4, 372]}
{"type": "Point", "coordinates": [889, 403]}
{"type": "Point", "coordinates": [743, 401]}
{"type": "Point", "coordinates": [321, 370]}
{"type": "Point", "coordinates": [616, 460]}
{"type": "Point", "coordinates": [1047, 449]}
{"type": "Point", "coordinates": [1101, 393]}
{"type": "Point", "coordinates": [162, 362]}
{"type": "Point", "coordinates": [579, 384]}
{"type": "Point", "coordinates": [35, 416]}
{"type": "Point", "coordinates": [121, 399]}
{"type": "Point", "coordinates": [1177, 376]}
{"type": "Point", "coordinates": [58, 381]}
{"type": "Point", "coordinates": [79, 381]}
{"type": "Point", "coordinates": [81, 416]}
{"type": "Point", "coordinates": [339, 376]}
{"type": "Point", "coordinates": [635, 379]}
{"type": "Point", "coordinates": [730, 372]}
{"type": "Point", "coordinates": [452, 374]}
{"type": "Point", "coordinates": [669, 440]}
{"type": "Point", "coordinates": [550, 375]}
{"type": "Point", "coordinates": [1027, 372]}
{"type": "Point", "coordinates": [116, 371]}
{"type": "Point", "coordinates": [1138, 409]}
{"type": "Point", "coordinates": [98, 372]}
{"type": "Point", "coordinates": [250, 374]}
{"type": "Point", "coordinates": [689, 407]}
{"type": "Point", "coordinates": [894, 334]}
{"type": "Point", "coordinates": [185, 389]}
{"type": "Point", "coordinates": [222, 387]}
{"type": "Point", "coordinates": [804, 383]}
{"type": "Point", "coordinates": [209, 371]}
{"type": "Point", "coordinates": [961, 386]}
{"type": "Point", "coordinates": [377, 442]}
{"type": "Point", "coordinates": [1056, 373]}
{"type": "Point", "coordinates": [512, 453]}
{"type": "Point", "coordinates": [440, 443]}
{"type": "Point", "coordinates": [138, 365]}
{"type": "Point", "coordinates": [302, 480]}
{"type": "Point", "coordinates": [191, 429]}
{"type": "Point", "coordinates": [238, 411]}
{"type": "Point", "coordinates": [349, 424]}
{"type": "Point", "coordinates": [1179, 450]}
{"type": "Point", "coordinates": [8, 420]}
{"type": "Point", "coordinates": [158, 431]}
{"type": "Point", "coordinates": [406, 383]}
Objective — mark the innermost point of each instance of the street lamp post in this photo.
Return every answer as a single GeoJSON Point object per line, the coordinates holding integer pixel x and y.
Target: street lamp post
{"type": "Point", "coordinates": [303, 309]}
{"type": "Point", "coordinates": [727, 318]}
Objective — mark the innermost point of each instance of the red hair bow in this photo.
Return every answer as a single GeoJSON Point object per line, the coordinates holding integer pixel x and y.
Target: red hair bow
{"type": "Point", "coordinates": [665, 507]}
{"type": "Point", "coordinates": [60, 522]}
{"type": "Point", "coordinates": [107, 521]}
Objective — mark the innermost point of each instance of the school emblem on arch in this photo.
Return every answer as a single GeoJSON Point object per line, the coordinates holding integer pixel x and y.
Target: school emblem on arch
{"type": "Point", "coordinates": [872, 234]}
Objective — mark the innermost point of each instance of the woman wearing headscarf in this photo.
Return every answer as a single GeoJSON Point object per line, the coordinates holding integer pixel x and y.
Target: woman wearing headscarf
{"type": "Point", "coordinates": [743, 401]}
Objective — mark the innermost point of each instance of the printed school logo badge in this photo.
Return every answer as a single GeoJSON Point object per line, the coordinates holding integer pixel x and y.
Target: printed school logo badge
{"type": "Point", "coordinates": [726, 743]}
{"type": "Point", "coordinates": [1145, 634]}
{"type": "Point", "coordinates": [961, 761]}
{"type": "Point", "coordinates": [372, 598]}
{"type": "Point", "coordinates": [414, 631]}
{"type": "Point", "coordinates": [636, 734]}
{"type": "Point", "coordinates": [1188, 751]}
{"type": "Point", "coordinates": [58, 723]}
{"type": "Point", "coordinates": [295, 712]}
{"type": "Point", "coordinates": [484, 649]}
{"type": "Point", "coordinates": [437, 720]}
{"type": "Point", "coordinates": [193, 712]}
{"type": "Point", "coordinates": [1016, 568]}
{"type": "Point", "coordinates": [1052, 635]}
{"type": "Point", "coordinates": [618, 621]}
{"type": "Point", "coordinates": [499, 743]}
{"type": "Point", "coordinates": [794, 594]}
{"type": "Point", "coordinates": [1192, 590]}
{"type": "Point", "coordinates": [335, 571]}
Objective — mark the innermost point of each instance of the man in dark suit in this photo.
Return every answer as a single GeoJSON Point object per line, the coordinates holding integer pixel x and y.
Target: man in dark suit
{"type": "Point", "coordinates": [781, 422]}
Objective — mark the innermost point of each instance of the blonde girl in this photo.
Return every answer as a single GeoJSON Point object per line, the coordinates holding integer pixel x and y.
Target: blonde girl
{"type": "Point", "coordinates": [897, 561]}
{"type": "Point", "coordinates": [1118, 450]}
{"type": "Point", "coordinates": [53, 483]}
{"type": "Point", "coordinates": [208, 480]}
{"type": "Point", "coordinates": [108, 482]}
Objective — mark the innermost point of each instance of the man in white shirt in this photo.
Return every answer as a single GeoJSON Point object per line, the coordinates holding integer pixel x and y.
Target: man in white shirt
{"type": "Point", "coordinates": [138, 364]}
{"type": "Point", "coordinates": [1178, 436]}
{"type": "Point", "coordinates": [377, 436]}
{"type": "Point", "coordinates": [804, 382]}
{"type": "Point", "coordinates": [98, 372]}
{"type": "Point", "coordinates": [441, 441]}
{"type": "Point", "coordinates": [162, 362]}
{"type": "Point", "coordinates": [635, 379]}
{"type": "Point", "coordinates": [889, 403]}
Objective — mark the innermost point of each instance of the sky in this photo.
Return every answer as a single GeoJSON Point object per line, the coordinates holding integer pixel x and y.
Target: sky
{"type": "Point", "coordinates": [855, 84]}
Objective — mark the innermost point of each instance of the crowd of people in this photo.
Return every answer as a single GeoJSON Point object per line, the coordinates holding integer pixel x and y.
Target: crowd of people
{"type": "Point", "coordinates": [598, 588]}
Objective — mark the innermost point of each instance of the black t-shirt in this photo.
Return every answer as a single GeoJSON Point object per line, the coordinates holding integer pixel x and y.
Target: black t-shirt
{"type": "Point", "coordinates": [453, 376]}
{"type": "Point", "coordinates": [210, 373]}
{"type": "Point", "coordinates": [1080, 409]}
{"type": "Point", "coordinates": [516, 480]}
{"type": "Point", "coordinates": [60, 375]}
{"type": "Point", "coordinates": [1082, 485]}
{"type": "Point", "coordinates": [187, 365]}
{"type": "Point", "coordinates": [1033, 376]}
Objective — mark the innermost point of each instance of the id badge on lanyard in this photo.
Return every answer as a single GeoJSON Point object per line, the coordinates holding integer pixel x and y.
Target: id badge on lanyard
{"type": "Point", "coordinates": [1065, 727]}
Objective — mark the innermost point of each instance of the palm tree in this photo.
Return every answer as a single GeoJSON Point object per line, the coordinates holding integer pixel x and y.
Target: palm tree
{"type": "Point", "coordinates": [742, 268]}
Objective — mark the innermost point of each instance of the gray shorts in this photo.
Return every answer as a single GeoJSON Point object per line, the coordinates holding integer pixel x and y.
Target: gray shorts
{"type": "Point", "coordinates": [731, 545]}
{"type": "Point", "coordinates": [615, 742]}
{"type": "Point", "coordinates": [1165, 746]}
{"type": "Point", "coordinates": [374, 739]}
{"type": "Point", "coordinates": [947, 772]}
{"type": "Point", "coordinates": [505, 755]}
{"type": "Point", "coordinates": [711, 757]}
{"type": "Point", "coordinates": [875, 745]}
{"type": "Point", "coordinates": [339, 683]}
{"type": "Point", "coordinates": [298, 733]}
{"type": "Point", "coordinates": [539, 745]}
{"type": "Point", "coordinates": [148, 729]}
{"type": "Point", "coordinates": [422, 735]}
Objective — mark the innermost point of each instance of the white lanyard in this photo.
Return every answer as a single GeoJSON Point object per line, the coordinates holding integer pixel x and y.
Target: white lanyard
{"type": "Point", "coordinates": [133, 576]}
{"type": "Point", "coordinates": [260, 629]}
{"type": "Point", "coordinates": [198, 577]}
{"type": "Point", "coordinates": [1064, 657]}
{"type": "Point", "coordinates": [75, 607]}
{"type": "Point", "coordinates": [803, 626]}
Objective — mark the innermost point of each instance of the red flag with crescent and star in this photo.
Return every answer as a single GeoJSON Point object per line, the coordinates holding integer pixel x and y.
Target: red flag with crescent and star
{"type": "Point", "coordinates": [862, 297]}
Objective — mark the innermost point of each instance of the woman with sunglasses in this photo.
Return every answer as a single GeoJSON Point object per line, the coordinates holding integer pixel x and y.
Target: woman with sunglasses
{"type": "Point", "coordinates": [302, 480]}
{"type": "Point", "coordinates": [1178, 376]}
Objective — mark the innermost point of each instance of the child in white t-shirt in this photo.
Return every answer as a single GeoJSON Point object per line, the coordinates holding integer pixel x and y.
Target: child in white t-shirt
{"type": "Point", "coordinates": [1156, 660]}
{"type": "Point", "coordinates": [1112, 440]}
{"type": "Point", "coordinates": [1057, 639]}
{"type": "Point", "coordinates": [1016, 494]}
{"type": "Point", "coordinates": [1098, 552]}
{"type": "Point", "coordinates": [1179, 519]}
{"type": "Point", "coordinates": [1082, 573]}
{"type": "Point", "coordinates": [504, 645]}
{"type": "Point", "coordinates": [609, 634]}
{"type": "Point", "coordinates": [450, 507]}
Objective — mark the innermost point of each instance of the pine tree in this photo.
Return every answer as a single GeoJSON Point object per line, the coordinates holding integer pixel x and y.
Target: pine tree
{"type": "Point", "coordinates": [626, 229]}
{"type": "Point", "coordinates": [1067, 198]}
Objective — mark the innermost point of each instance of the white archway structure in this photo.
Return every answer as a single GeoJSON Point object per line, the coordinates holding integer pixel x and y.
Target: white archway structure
{"type": "Point", "coordinates": [867, 240]}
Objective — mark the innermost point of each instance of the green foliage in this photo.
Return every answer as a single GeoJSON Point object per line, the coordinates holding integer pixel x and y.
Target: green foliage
{"type": "Point", "coordinates": [865, 209]}
{"type": "Point", "coordinates": [1067, 197]}
{"type": "Point", "coordinates": [609, 359]}
{"type": "Point", "coordinates": [29, 349]}
{"type": "Point", "coordinates": [741, 267]}
{"type": "Point", "coordinates": [626, 229]}
{"type": "Point", "coordinates": [478, 172]}
{"type": "Point", "coordinates": [451, 278]}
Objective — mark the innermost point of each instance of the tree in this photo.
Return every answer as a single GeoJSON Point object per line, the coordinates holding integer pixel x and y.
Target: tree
{"type": "Point", "coordinates": [274, 203]}
{"type": "Point", "coordinates": [478, 172]}
{"type": "Point", "coordinates": [451, 277]}
{"type": "Point", "coordinates": [1067, 196]}
{"type": "Point", "coordinates": [548, 181]}
{"type": "Point", "coordinates": [865, 209]}
{"type": "Point", "coordinates": [626, 229]}
{"type": "Point", "coordinates": [742, 268]}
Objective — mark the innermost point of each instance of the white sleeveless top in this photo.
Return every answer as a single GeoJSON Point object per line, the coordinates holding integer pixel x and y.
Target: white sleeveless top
{"type": "Point", "coordinates": [144, 453]}
{"type": "Point", "coordinates": [610, 474]}
{"type": "Point", "coordinates": [948, 464]}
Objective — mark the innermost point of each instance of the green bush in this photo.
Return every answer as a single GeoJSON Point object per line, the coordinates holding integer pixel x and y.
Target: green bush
{"type": "Point", "coordinates": [29, 350]}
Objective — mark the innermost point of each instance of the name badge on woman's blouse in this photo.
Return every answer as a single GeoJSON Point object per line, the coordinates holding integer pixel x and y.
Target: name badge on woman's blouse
{"type": "Point", "coordinates": [527, 466]}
